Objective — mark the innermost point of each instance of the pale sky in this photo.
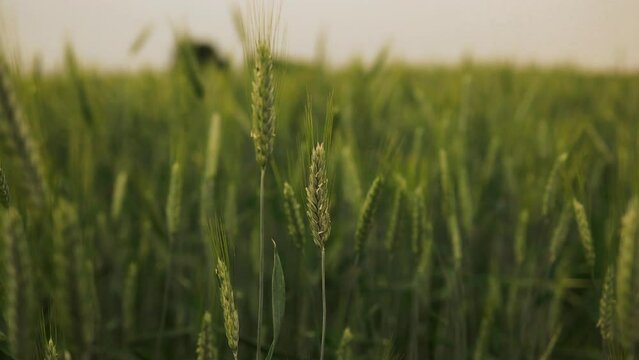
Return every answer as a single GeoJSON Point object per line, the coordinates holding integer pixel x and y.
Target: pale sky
{"type": "Point", "coordinates": [598, 34]}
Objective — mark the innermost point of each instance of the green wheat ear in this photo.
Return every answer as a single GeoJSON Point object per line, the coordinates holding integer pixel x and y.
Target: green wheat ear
{"type": "Point", "coordinates": [263, 103]}
{"type": "Point", "coordinates": [606, 322]}
{"type": "Point", "coordinates": [227, 300]}
{"type": "Point", "coordinates": [551, 185]}
{"type": "Point", "coordinates": [626, 274]}
{"type": "Point", "coordinates": [292, 210]}
{"type": "Point", "coordinates": [344, 350]}
{"type": "Point", "coordinates": [584, 232]}
{"type": "Point", "coordinates": [205, 341]}
{"type": "Point", "coordinates": [50, 351]}
{"type": "Point", "coordinates": [174, 200]}
{"type": "Point", "coordinates": [318, 203]}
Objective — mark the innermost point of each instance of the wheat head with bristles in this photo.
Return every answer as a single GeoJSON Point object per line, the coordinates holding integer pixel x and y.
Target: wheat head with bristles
{"type": "Point", "coordinates": [263, 103]}
{"type": "Point", "coordinates": [317, 195]}
{"type": "Point", "coordinates": [626, 274]}
{"type": "Point", "coordinates": [50, 351]}
{"type": "Point", "coordinates": [227, 300]}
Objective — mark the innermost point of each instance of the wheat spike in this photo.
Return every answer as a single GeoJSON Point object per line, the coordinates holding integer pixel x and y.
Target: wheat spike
{"type": "Point", "coordinates": [18, 291]}
{"type": "Point", "coordinates": [227, 300]}
{"type": "Point", "coordinates": [551, 184]}
{"type": "Point", "coordinates": [626, 273]}
{"type": "Point", "coordinates": [394, 218]}
{"type": "Point", "coordinates": [174, 200]}
{"type": "Point", "coordinates": [606, 320]}
{"type": "Point", "coordinates": [344, 350]}
{"type": "Point", "coordinates": [365, 220]}
{"type": "Point", "coordinates": [74, 294]}
{"type": "Point", "coordinates": [263, 103]}
{"type": "Point", "coordinates": [18, 134]}
{"type": "Point", "coordinates": [584, 232]}
{"type": "Point", "coordinates": [292, 210]}
{"type": "Point", "coordinates": [318, 202]}
{"type": "Point", "coordinates": [231, 321]}
{"type": "Point", "coordinates": [490, 306]}
{"type": "Point", "coordinates": [50, 352]}
{"type": "Point", "coordinates": [205, 341]}
{"type": "Point", "coordinates": [559, 234]}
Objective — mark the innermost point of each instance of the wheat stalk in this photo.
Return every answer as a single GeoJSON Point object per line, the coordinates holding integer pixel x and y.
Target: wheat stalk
{"type": "Point", "coordinates": [129, 301]}
{"type": "Point", "coordinates": [520, 237]}
{"type": "Point", "coordinates": [173, 211]}
{"type": "Point", "coordinates": [211, 161]}
{"type": "Point", "coordinates": [19, 297]}
{"type": "Point", "coordinates": [5, 196]}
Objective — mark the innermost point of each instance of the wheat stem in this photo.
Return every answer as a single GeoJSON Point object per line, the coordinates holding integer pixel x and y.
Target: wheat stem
{"type": "Point", "coordinates": [261, 271]}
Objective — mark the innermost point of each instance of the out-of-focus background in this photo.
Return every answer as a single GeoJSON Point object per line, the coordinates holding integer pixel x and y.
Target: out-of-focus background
{"type": "Point", "coordinates": [593, 34]}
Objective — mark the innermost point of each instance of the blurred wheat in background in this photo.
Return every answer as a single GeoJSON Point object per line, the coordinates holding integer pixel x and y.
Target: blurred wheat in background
{"type": "Point", "coordinates": [476, 210]}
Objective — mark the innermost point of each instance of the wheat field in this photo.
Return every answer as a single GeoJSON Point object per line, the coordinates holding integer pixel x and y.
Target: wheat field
{"type": "Point", "coordinates": [296, 210]}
